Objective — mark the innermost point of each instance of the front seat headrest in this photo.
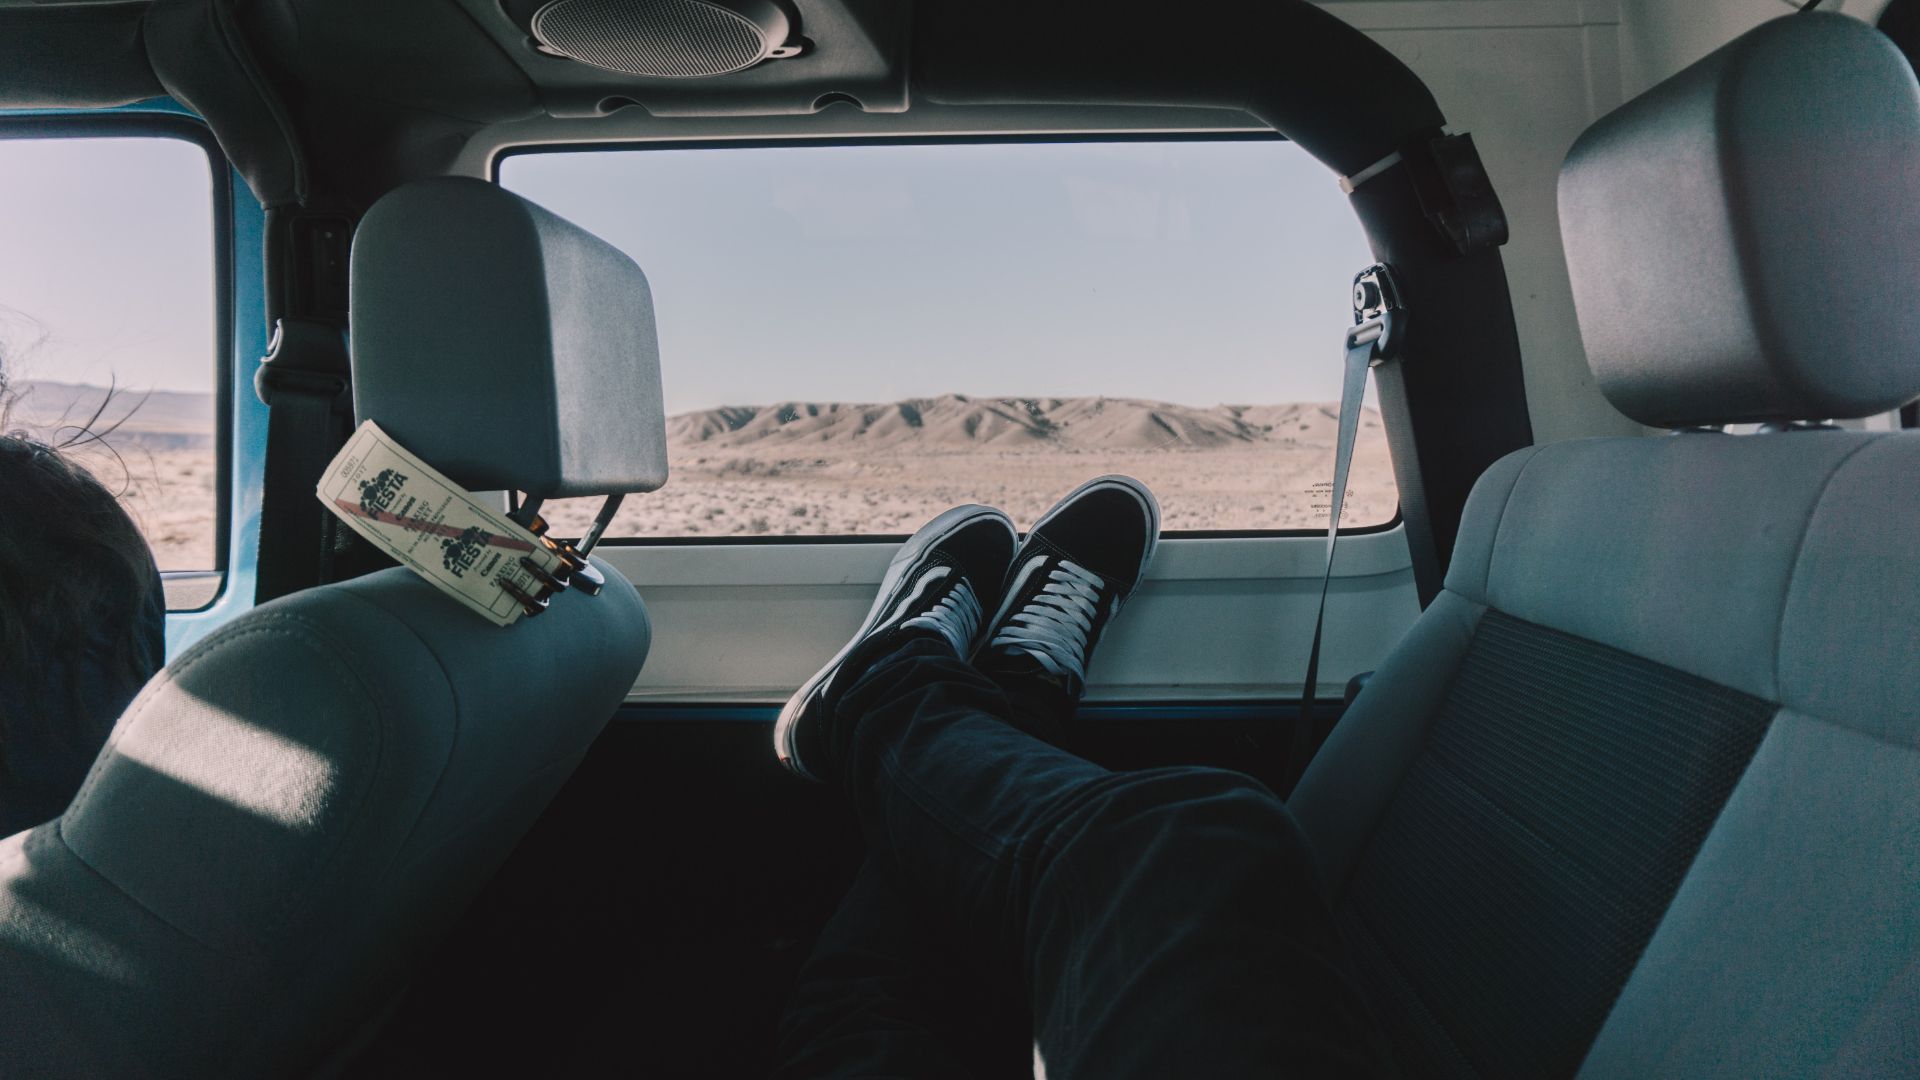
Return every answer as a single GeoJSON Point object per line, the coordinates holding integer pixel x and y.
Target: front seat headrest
{"type": "Point", "coordinates": [1743, 239]}
{"type": "Point", "coordinates": [505, 346]}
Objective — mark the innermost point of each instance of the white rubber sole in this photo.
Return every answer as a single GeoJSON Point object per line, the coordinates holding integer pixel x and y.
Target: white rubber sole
{"type": "Point", "coordinates": [931, 535]}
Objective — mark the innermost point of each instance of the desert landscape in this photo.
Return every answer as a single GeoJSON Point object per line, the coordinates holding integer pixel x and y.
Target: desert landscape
{"type": "Point", "coordinates": [158, 456]}
{"type": "Point", "coordinates": [813, 469]}
{"type": "Point", "coordinates": [831, 469]}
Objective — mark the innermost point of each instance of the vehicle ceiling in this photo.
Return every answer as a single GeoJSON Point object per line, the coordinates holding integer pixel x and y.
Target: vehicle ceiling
{"type": "Point", "coordinates": [375, 92]}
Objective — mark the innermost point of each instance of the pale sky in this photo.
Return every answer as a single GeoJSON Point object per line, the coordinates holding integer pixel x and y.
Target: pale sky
{"type": "Point", "coordinates": [106, 262]}
{"type": "Point", "coordinates": [1195, 272]}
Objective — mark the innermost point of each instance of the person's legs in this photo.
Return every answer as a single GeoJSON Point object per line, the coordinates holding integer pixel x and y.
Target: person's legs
{"type": "Point", "coordinates": [1166, 922]}
{"type": "Point", "coordinates": [883, 995]}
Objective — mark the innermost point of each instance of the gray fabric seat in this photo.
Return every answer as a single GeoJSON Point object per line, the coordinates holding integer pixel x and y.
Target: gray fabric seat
{"type": "Point", "coordinates": [1639, 795]}
{"type": "Point", "coordinates": [295, 810]}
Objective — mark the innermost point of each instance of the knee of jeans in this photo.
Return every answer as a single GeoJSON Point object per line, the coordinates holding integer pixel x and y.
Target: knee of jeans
{"type": "Point", "coordinates": [1237, 824]}
{"type": "Point", "coordinates": [1204, 797]}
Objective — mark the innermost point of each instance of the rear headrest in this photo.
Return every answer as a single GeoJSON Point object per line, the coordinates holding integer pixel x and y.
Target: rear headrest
{"type": "Point", "coordinates": [1744, 238]}
{"type": "Point", "coordinates": [506, 347]}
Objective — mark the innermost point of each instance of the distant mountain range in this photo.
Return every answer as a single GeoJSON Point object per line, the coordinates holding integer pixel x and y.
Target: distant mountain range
{"type": "Point", "coordinates": [169, 420]}
{"type": "Point", "coordinates": [957, 422]}
{"type": "Point", "coordinates": [150, 420]}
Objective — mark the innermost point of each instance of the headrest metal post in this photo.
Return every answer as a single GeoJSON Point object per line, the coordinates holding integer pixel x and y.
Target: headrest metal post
{"type": "Point", "coordinates": [600, 522]}
{"type": "Point", "coordinates": [526, 511]}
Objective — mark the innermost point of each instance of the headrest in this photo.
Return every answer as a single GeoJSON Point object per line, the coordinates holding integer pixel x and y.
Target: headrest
{"type": "Point", "coordinates": [1744, 238]}
{"type": "Point", "coordinates": [508, 348]}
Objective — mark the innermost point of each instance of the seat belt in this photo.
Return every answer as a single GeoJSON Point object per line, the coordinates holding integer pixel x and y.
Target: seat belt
{"type": "Point", "coordinates": [1390, 390]}
{"type": "Point", "coordinates": [303, 379]}
{"type": "Point", "coordinates": [1379, 323]}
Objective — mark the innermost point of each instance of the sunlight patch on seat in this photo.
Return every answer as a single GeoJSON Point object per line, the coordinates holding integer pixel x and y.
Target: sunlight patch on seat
{"type": "Point", "coordinates": [221, 755]}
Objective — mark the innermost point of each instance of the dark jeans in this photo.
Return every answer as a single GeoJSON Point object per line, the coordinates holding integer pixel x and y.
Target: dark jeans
{"type": "Point", "coordinates": [1159, 923]}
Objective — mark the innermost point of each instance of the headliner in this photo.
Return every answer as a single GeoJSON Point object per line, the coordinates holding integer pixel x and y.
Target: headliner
{"type": "Point", "coordinates": [367, 93]}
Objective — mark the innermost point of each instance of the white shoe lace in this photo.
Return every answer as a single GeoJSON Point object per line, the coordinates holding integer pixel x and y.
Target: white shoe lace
{"type": "Point", "coordinates": [957, 616]}
{"type": "Point", "coordinates": [1054, 625]}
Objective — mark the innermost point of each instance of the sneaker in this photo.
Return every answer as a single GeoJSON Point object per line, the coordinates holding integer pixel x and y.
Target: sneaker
{"type": "Point", "coordinates": [1078, 565]}
{"type": "Point", "coordinates": [939, 583]}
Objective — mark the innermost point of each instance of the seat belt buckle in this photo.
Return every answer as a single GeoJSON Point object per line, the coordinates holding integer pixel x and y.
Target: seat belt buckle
{"type": "Point", "coordinates": [1379, 316]}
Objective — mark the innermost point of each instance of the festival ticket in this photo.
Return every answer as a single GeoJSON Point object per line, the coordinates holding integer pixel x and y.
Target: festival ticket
{"type": "Point", "coordinates": [429, 523]}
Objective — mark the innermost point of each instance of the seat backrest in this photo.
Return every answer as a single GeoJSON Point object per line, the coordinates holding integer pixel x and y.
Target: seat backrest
{"type": "Point", "coordinates": [298, 807]}
{"type": "Point", "coordinates": [1639, 795]}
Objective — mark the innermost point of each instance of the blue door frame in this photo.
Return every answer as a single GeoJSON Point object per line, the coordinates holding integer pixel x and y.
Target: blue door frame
{"type": "Point", "coordinates": [240, 222]}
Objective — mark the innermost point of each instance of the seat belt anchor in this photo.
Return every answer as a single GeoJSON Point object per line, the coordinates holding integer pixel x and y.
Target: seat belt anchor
{"type": "Point", "coordinates": [1379, 316]}
{"type": "Point", "coordinates": [305, 356]}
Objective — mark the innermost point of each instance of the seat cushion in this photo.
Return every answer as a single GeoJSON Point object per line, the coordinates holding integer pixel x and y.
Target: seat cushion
{"type": "Point", "coordinates": [1507, 861]}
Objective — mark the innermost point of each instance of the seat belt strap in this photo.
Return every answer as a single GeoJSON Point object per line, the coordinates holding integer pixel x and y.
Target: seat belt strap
{"type": "Point", "coordinates": [1390, 391]}
{"type": "Point", "coordinates": [304, 380]}
{"type": "Point", "coordinates": [1378, 323]}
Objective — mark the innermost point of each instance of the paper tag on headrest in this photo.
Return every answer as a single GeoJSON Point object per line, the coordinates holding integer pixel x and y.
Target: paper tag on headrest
{"type": "Point", "coordinates": [432, 525]}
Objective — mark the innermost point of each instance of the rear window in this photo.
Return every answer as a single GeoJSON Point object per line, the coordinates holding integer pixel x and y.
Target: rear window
{"type": "Point", "coordinates": [856, 337]}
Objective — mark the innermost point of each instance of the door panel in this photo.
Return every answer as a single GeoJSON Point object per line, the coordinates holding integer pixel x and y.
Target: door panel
{"type": "Point", "coordinates": [1217, 620]}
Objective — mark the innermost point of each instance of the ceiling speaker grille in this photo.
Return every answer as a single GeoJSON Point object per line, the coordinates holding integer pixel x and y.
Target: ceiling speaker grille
{"type": "Point", "coordinates": [681, 39]}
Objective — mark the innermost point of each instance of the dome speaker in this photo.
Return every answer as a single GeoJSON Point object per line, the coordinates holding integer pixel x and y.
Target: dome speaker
{"type": "Point", "coordinates": [666, 39]}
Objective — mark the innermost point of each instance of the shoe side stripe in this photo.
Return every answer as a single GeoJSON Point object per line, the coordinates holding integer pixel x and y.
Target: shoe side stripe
{"type": "Point", "coordinates": [920, 586]}
{"type": "Point", "coordinates": [1013, 591]}
{"type": "Point", "coordinates": [931, 577]}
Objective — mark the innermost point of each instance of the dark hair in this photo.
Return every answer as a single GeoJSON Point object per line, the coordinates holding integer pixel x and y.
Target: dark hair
{"type": "Point", "coordinates": [80, 603]}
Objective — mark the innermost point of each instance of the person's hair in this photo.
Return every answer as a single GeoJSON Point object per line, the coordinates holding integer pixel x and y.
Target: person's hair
{"type": "Point", "coordinates": [76, 575]}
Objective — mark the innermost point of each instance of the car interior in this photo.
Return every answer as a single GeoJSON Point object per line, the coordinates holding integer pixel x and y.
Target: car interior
{"type": "Point", "coordinates": [1600, 717]}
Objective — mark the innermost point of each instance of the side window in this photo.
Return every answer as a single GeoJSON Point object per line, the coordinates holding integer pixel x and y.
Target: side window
{"type": "Point", "coordinates": [109, 334]}
{"type": "Point", "coordinates": [855, 337]}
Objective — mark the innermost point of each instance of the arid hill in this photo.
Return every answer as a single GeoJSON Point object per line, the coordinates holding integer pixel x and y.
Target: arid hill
{"type": "Point", "coordinates": [831, 469]}
{"type": "Point", "coordinates": [957, 422]}
{"type": "Point", "coordinates": [167, 420]}
{"type": "Point", "coordinates": [147, 420]}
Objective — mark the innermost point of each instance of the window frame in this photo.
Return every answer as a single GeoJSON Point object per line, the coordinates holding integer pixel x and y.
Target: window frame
{"type": "Point", "coordinates": [133, 124]}
{"type": "Point", "coordinates": [502, 154]}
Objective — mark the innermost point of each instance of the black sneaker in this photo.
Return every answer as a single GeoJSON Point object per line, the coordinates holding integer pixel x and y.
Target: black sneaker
{"type": "Point", "coordinates": [939, 583]}
{"type": "Point", "coordinates": [1080, 562]}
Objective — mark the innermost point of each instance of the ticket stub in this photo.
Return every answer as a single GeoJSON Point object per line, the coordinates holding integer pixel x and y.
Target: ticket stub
{"type": "Point", "coordinates": [431, 524]}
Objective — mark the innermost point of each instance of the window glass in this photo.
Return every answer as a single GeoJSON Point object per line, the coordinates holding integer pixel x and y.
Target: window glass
{"type": "Point", "coordinates": [107, 323]}
{"type": "Point", "coordinates": [854, 338]}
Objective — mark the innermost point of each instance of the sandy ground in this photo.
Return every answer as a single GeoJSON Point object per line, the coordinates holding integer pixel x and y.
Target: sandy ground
{"type": "Point", "coordinates": [724, 494]}
{"type": "Point", "coordinates": [748, 494]}
{"type": "Point", "coordinates": [170, 493]}
{"type": "Point", "coordinates": [838, 470]}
